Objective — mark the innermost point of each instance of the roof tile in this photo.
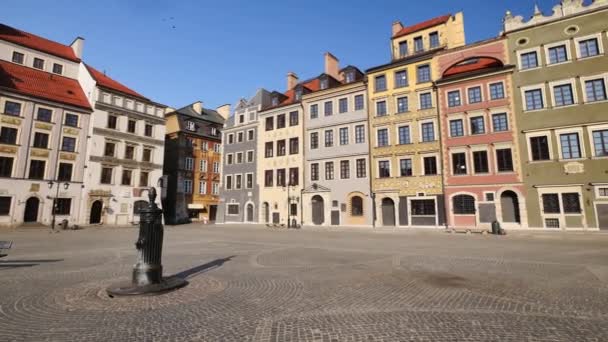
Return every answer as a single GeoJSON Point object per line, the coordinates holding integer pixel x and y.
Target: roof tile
{"type": "Point", "coordinates": [106, 82]}
{"type": "Point", "coordinates": [35, 42]}
{"type": "Point", "coordinates": [422, 26]}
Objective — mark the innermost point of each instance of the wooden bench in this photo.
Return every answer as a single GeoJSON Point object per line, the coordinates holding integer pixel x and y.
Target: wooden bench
{"type": "Point", "coordinates": [468, 230]}
{"type": "Point", "coordinates": [4, 247]}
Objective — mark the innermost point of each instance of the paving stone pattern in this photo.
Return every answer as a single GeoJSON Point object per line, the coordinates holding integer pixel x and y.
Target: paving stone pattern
{"type": "Point", "coordinates": [249, 283]}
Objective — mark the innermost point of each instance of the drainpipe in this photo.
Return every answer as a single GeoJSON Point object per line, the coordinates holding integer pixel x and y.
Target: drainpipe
{"type": "Point", "coordinates": [301, 207]}
{"type": "Point", "coordinates": [441, 156]}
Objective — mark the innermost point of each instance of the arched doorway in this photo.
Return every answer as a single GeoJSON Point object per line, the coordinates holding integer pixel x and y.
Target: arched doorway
{"type": "Point", "coordinates": [510, 207]}
{"type": "Point", "coordinates": [318, 210]}
{"type": "Point", "coordinates": [266, 212]}
{"type": "Point", "coordinates": [388, 212]}
{"type": "Point", "coordinates": [31, 209]}
{"type": "Point", "coordinates": [96, 208]}
{"type": "Point", "coordinates": [249, 213]}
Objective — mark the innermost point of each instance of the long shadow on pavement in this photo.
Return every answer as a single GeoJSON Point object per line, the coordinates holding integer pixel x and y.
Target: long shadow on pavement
{"type": "Point", "coordinates": [6, 264]}
{"type": "Point", "coordinates": [195, 271]}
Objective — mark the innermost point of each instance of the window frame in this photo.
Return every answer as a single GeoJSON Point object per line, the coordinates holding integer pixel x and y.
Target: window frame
{"type": "Point", "coordinates": [542, 89]}
{"type": "Point", "coordinates": [489, 89]}
{"type": "Point", "coordinates": [585, 79]}
{"type": "Point", "coordinates": [600, 45]}
{"type": "Point", "coordinates": [453, 102]}
{"type": "Point", "coordinates": [581, 143]}
{"type": "Point", "coordinates": [590, 131]}
{"type": "Point", "coordinates": [548, 47]}
{"type": "Point", "coordinates": [388, 139]}
{"type": "Point", "coordinates": [481, 96]}
{"type": "Point", "coordinates": [520, 53]}
{"type": "Point", "coordinates": [546, 134]}
{"type": "Point", "coordinates": [390, 168]}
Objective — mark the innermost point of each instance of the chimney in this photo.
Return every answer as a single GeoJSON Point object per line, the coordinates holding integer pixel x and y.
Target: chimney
{"type": "Point", "coordinates": [224, 111]}
{"type": "Point", "coordinates": [332, 66]}
{"type": "Point", "coordinates": [397, 26]}
{"type": "Point", "coordinates": [198, 107]}
{"type": "Point", "coordinates": [292, 80]}
{"type": "Point", "coordinates": [77, 46]}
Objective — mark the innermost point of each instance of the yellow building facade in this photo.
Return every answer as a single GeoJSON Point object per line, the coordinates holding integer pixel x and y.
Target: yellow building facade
{"type": "Point", "coordinates": [404, 125]}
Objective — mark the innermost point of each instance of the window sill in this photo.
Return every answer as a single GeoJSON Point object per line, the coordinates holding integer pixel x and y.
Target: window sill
{"type": "Point", "coordinates": [558, 63]}
{"type": "Point", "coordinates": [571, 160]}
{"type": "Point", "coordinates": [589, 57]}
{"type": "Point", "coordinates": [594, 102]}
{"type": "Point", "coordinates": [535, 110]}
{"type": "Point", "coordinates": [530, 69]}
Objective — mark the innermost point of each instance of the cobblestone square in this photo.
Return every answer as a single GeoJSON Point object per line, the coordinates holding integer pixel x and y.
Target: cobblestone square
{"type": "Point", "coordinates": [250, 283]}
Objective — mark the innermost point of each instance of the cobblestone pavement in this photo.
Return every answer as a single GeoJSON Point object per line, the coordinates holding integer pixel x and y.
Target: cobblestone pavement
{"type": "Point", "coordinates": [249, 283]}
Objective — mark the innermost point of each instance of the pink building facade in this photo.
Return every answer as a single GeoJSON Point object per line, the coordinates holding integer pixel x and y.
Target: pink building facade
{"type": "Point", "coordinates": [482, 172]}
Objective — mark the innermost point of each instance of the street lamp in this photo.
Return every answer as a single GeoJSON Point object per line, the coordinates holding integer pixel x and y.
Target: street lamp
{"type": "Point", "coordinates": [289, 200]}
{"type": "Point", "coordinates": [66, 185]}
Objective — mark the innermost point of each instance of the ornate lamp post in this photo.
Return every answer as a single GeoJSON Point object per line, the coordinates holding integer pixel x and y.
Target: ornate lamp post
{"type": "Point", "coordinates": [66, 185]}
{"type": "Point", "coordinates": [290, 199]}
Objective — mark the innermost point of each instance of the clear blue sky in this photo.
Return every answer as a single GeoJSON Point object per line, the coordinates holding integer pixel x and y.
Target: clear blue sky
{"type": "Point", "coordinates": [222, 50]}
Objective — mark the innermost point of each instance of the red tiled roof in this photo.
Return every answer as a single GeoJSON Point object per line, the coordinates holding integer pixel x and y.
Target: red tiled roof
{"type": "Point", "coordinates": [423, 25]}
{"type": "Point", "coordinates": [33, 82]}
{"type": "Point", "coordinates": [106, 82]}
{"type": "Point", "coordinates": [312, 85]}
{"type": "Point", "coordinates": [472, 64]}
{"type": "Point", "coordinates": [32, 41]}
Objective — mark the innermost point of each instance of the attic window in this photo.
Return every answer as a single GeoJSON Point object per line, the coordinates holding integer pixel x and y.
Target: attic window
{"type": "Point", "coordinates": [190, 126]}
{"type": "Point", "coordinates": [324, 83]}
{"type": "Point", "coordinates": [350, 77]}
{"type": "Point", "coordinates": [275, 101]}
{"type": "Point", "coordinates": [468, 61]}
{"type": "Point", "coordinates": [298, 94]}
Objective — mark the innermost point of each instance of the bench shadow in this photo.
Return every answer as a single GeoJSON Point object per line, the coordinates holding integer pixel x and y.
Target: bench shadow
{"type": "Point", "coordinates": [6, 264]}
{"type": "Point", "coordinates": [195, 271]}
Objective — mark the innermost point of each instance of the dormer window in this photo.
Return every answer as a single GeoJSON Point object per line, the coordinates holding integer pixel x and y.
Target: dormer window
{"type": "Point", "coordinates": [190, 126]}
{"type": "Point", "coordinates": [350, 77]}
{"type": "Point", "coordinates": [214, 131]}
{"type": "Point", "coordinates": [18, 57]}
{"type": "Point", "coordinates": [38, 63]}
{"type": "Point", "coordinates": [324, 83]}
{"type": "Point", "coordinates": [298, 94]}
{"type": "Point", "coordinates": [275, 101]}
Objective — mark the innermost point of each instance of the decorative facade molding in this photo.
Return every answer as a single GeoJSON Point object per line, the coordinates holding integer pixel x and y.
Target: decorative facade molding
{"type": "Point", "coordinates": [127, 136]}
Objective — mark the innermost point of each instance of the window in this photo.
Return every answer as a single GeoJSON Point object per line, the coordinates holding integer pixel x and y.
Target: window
{"type": "Point", "coordinates": [189, 164]}
{"type": "Point", "coordinates": [343, 105]}
{"type": "Point", "coordinates": [428, 132]}
{"type": "Point", "coordinates": [384, 169]}
{"type": "Point", "coordinates": [106, 175]}
{"type": "Point", "coordinates": [405, 167]}
{"type": "Point", "coordinates": [314, 171]}
{"type": "Point", "coordinates": [551, 203]}
{"type": "Point", "coordinates": [571, 203]}
{"type": "Point", "coordinates": [464, 204]}
{"type": "Point", "coordinates": [499, 122]}
{"type": "Point", "coordinates": [57, 69]}
{"type": "Point", "coordinates": [558, 54]}
{"type": "Point", "coordinates": [314, 111]}
{"type": "Point", "coordinates": [477, 125]}
{"type": "Point", "coordinates": [126, 177]}
{"type": "Point", "coordinates": [294, 146]}
{"type": "Point", "coordinates": [324, 83]}
{"type": "Point", "coordinates": [423, 207]}
{"type": "Point", "coordinates": [480, 162]}
{"type": "Point", "coordinates": [8, 135]}
{"type": "Point", "coordinates": [602, 192]}
{"type": "Point", "coordinates": [109, 149]}
{"type": "Point", "coordinates": [497, 91]}
{"type": "Point", "coordinates": [62, 206]}
{"type": "Point", "coordinates": [242, 118]}
{"type": "Point", "coordinates": [563, 95]}
{"type": "Point", "coordinates": [146, 155]}
{"type": "Point", "coordinates": [459, 163]}
{"type": "Point", "coordinates": [600, 143]}
{"type": "Point", "coordinates": [359, 103]}
{"type": "Point", "coordinates": [202, 187]}
{"type": "Point", "coordinates": [6, 166]}
{"type": "Point", "coordinates": [249, 181]}
{"type": "Point", "coordinates": [202, 166]}
{"type": "Point", "coordinates": [430, 166]}
{"type": "Point", "coordinates": [38, 63]}
{"type": "Point", "coordinates": [250, 135]}
{"type": "Point", "coordinates": [229, 181]}
{"type": "Point", "coordinates": [239, 157]}
{"type": "Point", "coordinates": [474, 95]}
{"type": "Point", "coordinates": [68, 144]}
{"type": "Point", "coordinates": [534, 99]}
{"type": "Point", "coordinates": [65, 172]}
{"type": "Point", "coordinates": [187, 186]}
{"type": "Point", "coordinates": [401, 79]}
{"type": "Point", "coordinates": [454, 98]}
{"type": "Point", "coordinates": [381, 108]}
{"type": "Point", "coordinates": [402, 104]}
{"type": "Point", "coordinates": [504, 160]}
{"type": "Point", "coordinates": [5, 205]}
{"type": "Point", "coordinates": [343, 135]}
{"type": "Point", "coordinates": [131, 126]}
{"type": "Point", "coordinates": [356, 206]}
{"type": "Point", "coordinates": [44, 115]}
{"type": "Point", "coordinates": [71, 120]}
{"type": "Point", "coordinates": [294, 176]}
{"type": "Point", "coordinates": [434, 39]}
{"type": "Point", "coordinates": [328, 108]}
{"type": "Point", "coordinates": [112, 121]}
{"type": "Point", "coordinates": [424, 73]}
{"type": "Point", "coordinates": [143, 178]}
{"type": "Point", "coordinates": [280, 121]}
{"type": "Point", "coordinates": [456, 128]}
{"type": "Point", "coordinates": [418, 44]}
{"type": "Point", "coordinates": [361, 168]}
{"type": "Point", "coordinates": [216, 167]}
{"type": "Point", "coordinates": [403, 49]}
{"type": "Point", "coordinates": [426, 102]}
{"type": "Point", "coordinates": [281, 148]}
{"type": "Point", "coordinates": [329, 138]}
{"type": "Point", "coordinates": [41, 140]}
{"type": "Point", "coordinates": [489, 196]}
{"type": "Point", "coordinates": [239, 137]}
{"type": "Point", "coordinates": [268, 149]}
{"type": "Point", "coordinates": [349, 77]}
{"type": "Point", "coordinates": [595, 90]}
{"type": "Point", "coordinates": [275, 101]}
{"type": "Point", "coordinates": [229, 158]}
{"type": "Point", "coordinates": [382, 137]}
{"type": "Point", "coordinates": [269, 124]}
{"type": "Point", "coordinates": [344, 169]}
{"type": "Point", "coordinates": [570, 146]}
{"type": "Point", "coordinates": [359, 134]}
{"type": "Point", "coordinates": [238, 181]}
{"type": "Point", "coordinates": [539, 146]}
{"type": "Point", "coordinates": [215, 188]}
{"type": "Point", "coordinates": [18, 57]}
{"type": "Point", "coordinates": [380, 83]}
{"type": "Point", "coordinates": [588, 48]}
{"type": "Point", "coordinates": [314, 140]}
{"type": "Point", "coordinates": [404, 135]}
{"type": "Point", "coordinates": [230, 139]}
{"type": "Point", "coordinates": [329, 170]}
{"type": "Point", "coordinates": [529, 60]}
{"type": "Point", "coordinates": [12, 108]}
{"type": "Point", "coordinates": [215, 132]}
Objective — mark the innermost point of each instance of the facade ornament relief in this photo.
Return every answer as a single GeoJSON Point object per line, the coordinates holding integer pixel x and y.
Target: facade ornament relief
{"type": "Point", "coordinates": [566, 8]}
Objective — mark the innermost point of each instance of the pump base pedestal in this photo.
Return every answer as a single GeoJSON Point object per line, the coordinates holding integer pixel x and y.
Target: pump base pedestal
{"type": "Point", "coordinates": [130, 289]}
